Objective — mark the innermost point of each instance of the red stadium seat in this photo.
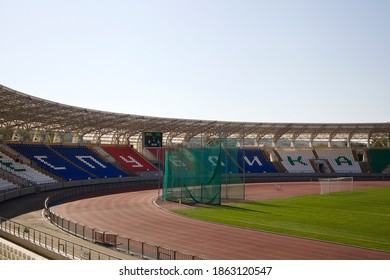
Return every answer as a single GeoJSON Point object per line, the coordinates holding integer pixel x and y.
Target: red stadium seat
{"type": "Point", "coordinates": [130, 158]}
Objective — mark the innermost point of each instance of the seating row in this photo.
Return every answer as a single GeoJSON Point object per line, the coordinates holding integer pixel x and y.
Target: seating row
{"type": "Point", "coordinates": [232, 160]}
{"type": "Point", "coordinates": [293, 160]}
{"type": "Point", "coordinates": [341, 160]}
{"type": "Point", "coordinates": [7, 186]}
{"type": "Point", "coordinates": [86, 159]}
{"type": "Point", "coordinates": [79, 162]}
{"type": "Point", "coordinates": [69, 162]}
{"type": "Point", "coordinates": [130, 159]}
{"type": "Point", "coordinates": [23, 170]}
{"type": "Point", "coordinates": [299, 160]}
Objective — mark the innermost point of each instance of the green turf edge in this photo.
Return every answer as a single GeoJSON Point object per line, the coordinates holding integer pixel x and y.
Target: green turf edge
{"type": "Point", "coordinates": [361, 218]}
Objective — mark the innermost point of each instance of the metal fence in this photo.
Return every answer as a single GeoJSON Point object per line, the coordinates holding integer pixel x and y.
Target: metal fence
{"type": "Point", "coordinates": [118, 242]}
{"type": "Point", "coordinates": [75, 251]}
{"type": "Point", "coordinates": [52, 243]}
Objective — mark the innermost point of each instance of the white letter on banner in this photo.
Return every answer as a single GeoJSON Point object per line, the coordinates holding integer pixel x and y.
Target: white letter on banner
{"type": "Point", "coordinates": [130, 159]}
{"type": "Point", "coordinates": [82, 159]}
{"type": "Point", "coordinates": [255, 159]}
{"type": "Point", "coordinates": [214, 159]}
{"type": "Point", "coordinates": [41, 159]}
{"type": "Point", "coordinates": [176, 162]}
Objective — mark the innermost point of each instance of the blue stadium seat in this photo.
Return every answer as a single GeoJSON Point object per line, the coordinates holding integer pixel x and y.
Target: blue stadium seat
{"type": "Point", "coordinates": [234, 161]}
{"type": "Point", "coordinates": [53, 163]}
{"type": "Point", "coordinates": [89, 161]}
{"type": "Point", "coordinates": [254, 161]}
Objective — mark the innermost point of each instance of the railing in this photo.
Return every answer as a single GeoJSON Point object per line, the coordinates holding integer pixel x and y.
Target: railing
{"type": "Point", "coordinates": [52, 243]}
{"type": "Point", "coordinates": [118, 242]}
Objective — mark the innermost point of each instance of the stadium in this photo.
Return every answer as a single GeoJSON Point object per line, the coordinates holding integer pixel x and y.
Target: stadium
{"type": "Point", "coordinates": [77, 183]}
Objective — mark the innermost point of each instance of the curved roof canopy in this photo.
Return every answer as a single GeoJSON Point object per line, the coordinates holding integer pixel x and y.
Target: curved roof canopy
{"type": "Point", "coordinates": [45, 120]}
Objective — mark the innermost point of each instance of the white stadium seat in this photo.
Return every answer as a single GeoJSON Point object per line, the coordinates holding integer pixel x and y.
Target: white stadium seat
{"type": "Point", "coordinates": [341, 160]}
{"type": "Point", "coordinates": [297, 161]}
{"type": "Point", "coordinates": [23, 170]}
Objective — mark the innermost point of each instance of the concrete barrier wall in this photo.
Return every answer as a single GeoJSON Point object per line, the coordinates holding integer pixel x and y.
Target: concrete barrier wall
{"type": "Point", "coordinates": [11, 251]}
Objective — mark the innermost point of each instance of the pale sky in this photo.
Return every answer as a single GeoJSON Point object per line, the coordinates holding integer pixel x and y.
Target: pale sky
{"type": "Point", "coordinates": [256, 61]}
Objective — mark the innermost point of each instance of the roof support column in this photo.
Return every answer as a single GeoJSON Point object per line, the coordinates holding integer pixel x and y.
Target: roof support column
{"type": "Point", "coordinates": [78, 138]}
{"type": "Point", "coordinates": [388, 140]}
{"type": "Point", "coordinates": [17, 136]}
{"type": "Point", "coordinates": [39, 137]}
{"type": "Point", "coordinates": [330, 139]}
{"type": "Point", "coordinates": [58, 138]}
{"type": "Point", "coordinates": [369, 140]}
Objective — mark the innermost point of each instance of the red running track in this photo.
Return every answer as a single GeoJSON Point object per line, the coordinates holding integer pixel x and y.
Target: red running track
{"type": "Point", "coordinates": [136, 215]}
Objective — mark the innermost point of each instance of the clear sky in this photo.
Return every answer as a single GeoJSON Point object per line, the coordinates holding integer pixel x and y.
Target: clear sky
{"type": "Point", "coordinates": [256, 61]}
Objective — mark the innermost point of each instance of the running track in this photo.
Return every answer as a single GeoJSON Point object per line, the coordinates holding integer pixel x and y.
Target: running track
{"type": "Point", "coordinates": [136, 215]}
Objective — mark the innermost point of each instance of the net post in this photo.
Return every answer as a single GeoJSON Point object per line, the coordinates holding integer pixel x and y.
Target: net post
{"type": "Point", "coordinates": [353, 185]}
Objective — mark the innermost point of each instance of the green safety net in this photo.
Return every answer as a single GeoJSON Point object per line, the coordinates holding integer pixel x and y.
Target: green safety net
{"type": "Point", "coordinates": [201, 175]}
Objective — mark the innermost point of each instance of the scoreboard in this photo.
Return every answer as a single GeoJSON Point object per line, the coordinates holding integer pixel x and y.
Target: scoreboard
{"type": "Point", "coordinates": [153, 139]}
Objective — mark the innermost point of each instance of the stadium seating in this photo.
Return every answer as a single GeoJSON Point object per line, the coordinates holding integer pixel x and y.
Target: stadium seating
{"type": "Point", "coordinates": [341, 160]}
{"type": "Point", "coordinates": [254, 161]}
{"type": "Point", "coordinates": [75, 162]}
{"type": "Point", "coordinates": [51, 161]}
{"type": "Point", "coordinates": [130, 158]}
{"type": "Point", "coordinates": [229, 161]}
{"type": "Point", "coordinates": [7, 186]}
{"type": "Point", "coordinates": [297, 161]}
{"type": "Point", "coordinates": [83, 157]}
{"type": "Point", "coordinates": [23, 171]}
{"type": "Point", "coordinates": [233, 161]}
{"type": "Point", "coordinates": [158, 153]}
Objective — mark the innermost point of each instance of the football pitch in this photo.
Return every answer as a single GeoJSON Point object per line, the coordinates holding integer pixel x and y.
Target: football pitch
{"type": "Point", "coordinates": [359, 218]}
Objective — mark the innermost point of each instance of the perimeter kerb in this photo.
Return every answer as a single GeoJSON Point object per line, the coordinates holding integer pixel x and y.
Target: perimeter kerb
{"type": "Point", "coordinates": [197, 175]}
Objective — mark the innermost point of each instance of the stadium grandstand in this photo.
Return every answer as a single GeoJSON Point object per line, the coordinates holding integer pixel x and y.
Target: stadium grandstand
{"type": "Point", "coordinates": [46, 145]}
{"type": "Point", "coordinates": [56, 138]}
{"type": "Point", "coordinates": [25, 118]}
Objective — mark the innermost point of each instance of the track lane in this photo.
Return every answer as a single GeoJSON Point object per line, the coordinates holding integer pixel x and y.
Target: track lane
{"type": "Point", "coordinates": [135, 215]}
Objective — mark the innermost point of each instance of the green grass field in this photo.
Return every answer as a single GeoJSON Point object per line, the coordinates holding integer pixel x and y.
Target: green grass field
{"type": "Point", "coordinates": [360, 218]}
